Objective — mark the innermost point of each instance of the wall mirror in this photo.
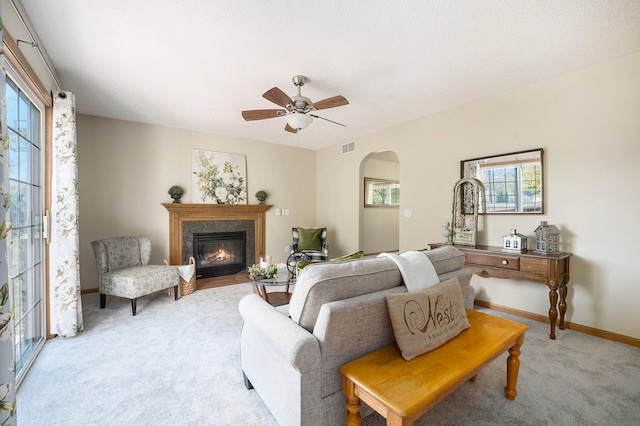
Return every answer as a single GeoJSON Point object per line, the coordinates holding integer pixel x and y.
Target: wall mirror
{"type": "Point", "coordinates": [512, 182]}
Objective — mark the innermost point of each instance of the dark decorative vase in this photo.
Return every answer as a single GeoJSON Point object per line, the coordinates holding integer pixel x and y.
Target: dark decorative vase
{"type": "Point", "coordinates": [176, 198]}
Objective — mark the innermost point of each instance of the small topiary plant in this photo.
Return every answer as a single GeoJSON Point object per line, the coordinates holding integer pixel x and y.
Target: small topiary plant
{"type": "Point", "coordinates": [261, 196]}
{"type": "Point", "coordinates": [176, 190]}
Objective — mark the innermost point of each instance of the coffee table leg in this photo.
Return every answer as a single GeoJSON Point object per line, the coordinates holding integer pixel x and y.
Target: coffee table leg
{"type": "Point", "coordinates": [353, 403]}
{"type": "Point", "coordinates": [513, 366]}
{"type": "Point", "coordinates": [262, 292]}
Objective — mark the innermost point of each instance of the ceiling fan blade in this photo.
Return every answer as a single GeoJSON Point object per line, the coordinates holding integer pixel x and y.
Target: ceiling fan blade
{"type": "Point", "coordinates": [326, 119]}
{"type": "Point", "coordinates": [290, 129]}
{"type": "Point", "coordinates": [261, 114]}
{"type": "Point", "coordinates": [277, 96]}
{"type": "Point", "coordinates": [333, 102]}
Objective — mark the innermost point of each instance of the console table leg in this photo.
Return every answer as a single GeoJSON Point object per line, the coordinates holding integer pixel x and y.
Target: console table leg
{"type": "Point", "coordinates": [563, 304]}
{"type": "Point", "coordinates": [553, 312]}
{"type": "Point", "coordinates": [513, 367]}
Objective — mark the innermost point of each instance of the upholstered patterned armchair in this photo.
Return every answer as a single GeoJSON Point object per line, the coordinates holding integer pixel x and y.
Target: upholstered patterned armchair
{"type": "Point", "coordinates": [124, 270]}
{"type": "Point", "coordinates": [308, 244]}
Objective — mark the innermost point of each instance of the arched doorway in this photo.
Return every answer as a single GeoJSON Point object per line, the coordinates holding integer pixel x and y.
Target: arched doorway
{"type": "Point", "coordinates": [379, 226]}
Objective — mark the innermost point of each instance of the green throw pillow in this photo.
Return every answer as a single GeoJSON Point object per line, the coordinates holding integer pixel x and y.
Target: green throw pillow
{"type": "Point", "coordinates": [351, 256]}
{"type": "Point", "coordinates": [303, 263]}
{"type": "Point", "coordinates": [309, 239]}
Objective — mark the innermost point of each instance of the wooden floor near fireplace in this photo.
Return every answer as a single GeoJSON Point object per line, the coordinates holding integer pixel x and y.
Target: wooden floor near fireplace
{"type": "Point", "coordinates": [204, 283]}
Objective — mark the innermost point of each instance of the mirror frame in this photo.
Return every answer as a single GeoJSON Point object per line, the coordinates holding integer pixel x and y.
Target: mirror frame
{"type": "Point", "coordinates": [511, 157]}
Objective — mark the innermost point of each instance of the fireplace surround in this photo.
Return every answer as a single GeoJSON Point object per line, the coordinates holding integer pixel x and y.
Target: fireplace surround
{"type": "Point", "coordinates": [187, 219]}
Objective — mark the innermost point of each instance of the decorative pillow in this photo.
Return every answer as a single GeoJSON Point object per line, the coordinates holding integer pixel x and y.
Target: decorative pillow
{"type": "Point", "coordinates": [309, 239]}
{"type": "Point", "coordinates": [351, 256]}
{"type": "Point", "coordinates": [423, 320]}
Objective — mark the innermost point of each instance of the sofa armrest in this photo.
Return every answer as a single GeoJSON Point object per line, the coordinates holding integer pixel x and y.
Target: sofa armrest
{"type": "Point", "coordinates": [284, 337]}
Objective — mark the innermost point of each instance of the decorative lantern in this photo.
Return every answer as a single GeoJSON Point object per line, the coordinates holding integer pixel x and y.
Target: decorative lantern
{"type": "Point", "coordinates": [514, 242]}
{"type": "Point", "coordinates": [547, 239]}
{"type": "Point", "coordinates": [468, 201]}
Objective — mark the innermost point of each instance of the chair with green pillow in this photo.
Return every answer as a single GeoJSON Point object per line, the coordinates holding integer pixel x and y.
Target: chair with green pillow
{"type": "Point", "coordinates": [308, 244]}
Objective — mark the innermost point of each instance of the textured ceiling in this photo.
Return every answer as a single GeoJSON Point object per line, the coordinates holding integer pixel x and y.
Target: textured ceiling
{"type": "Point", "coordinates": [196, 64]}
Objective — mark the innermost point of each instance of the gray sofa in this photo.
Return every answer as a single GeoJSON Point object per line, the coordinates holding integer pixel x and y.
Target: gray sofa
{"type": "Point", "coordinates": [338, 312]}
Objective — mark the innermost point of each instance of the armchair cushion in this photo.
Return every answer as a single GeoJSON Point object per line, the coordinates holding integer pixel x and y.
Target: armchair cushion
{"type": "Point", "coordinates": [139, 280]}
{"type": "Point", "coordinates": [310, 239]}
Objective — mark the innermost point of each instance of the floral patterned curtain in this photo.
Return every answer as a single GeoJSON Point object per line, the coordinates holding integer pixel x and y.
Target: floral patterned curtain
{"type": "Point", "coordinates": [7, 348]}
{"type": "Point", "coordinates": [64, 270]}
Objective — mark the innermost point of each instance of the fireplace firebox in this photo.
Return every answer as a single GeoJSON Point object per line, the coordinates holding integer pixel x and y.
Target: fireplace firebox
{"type": "Point", "coordinates": [219, 253]}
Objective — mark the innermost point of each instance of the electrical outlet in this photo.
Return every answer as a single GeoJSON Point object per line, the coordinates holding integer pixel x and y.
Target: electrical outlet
{"type": "Point", "coordinates": [407, 213]}
{"type": "Point", "coordinates": [278, 212]}
{"type": "Point", "coordinates": [285, 212]}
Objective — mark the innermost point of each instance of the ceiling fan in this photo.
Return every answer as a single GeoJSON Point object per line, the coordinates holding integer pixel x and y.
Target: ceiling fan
{"type": "Point", "coordinates": [297, 110]}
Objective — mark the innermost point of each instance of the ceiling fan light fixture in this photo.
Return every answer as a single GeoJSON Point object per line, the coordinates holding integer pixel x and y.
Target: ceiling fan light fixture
{"type": "Point", "coordinates": [299, 120]}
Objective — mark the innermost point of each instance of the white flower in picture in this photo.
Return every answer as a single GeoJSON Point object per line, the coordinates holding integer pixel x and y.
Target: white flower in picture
{"type": "Point", "coordinates": [219, 177]}
{"type": "Point", "coordinates": [221, 193]}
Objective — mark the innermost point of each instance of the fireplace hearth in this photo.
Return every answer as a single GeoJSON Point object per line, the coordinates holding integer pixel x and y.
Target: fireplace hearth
{"type": "Point", "coordinates": [219, 253]}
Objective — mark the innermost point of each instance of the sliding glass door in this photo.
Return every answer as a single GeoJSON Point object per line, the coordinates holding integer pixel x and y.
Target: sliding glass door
{"type": "Point", "coordinates": [25, 120]}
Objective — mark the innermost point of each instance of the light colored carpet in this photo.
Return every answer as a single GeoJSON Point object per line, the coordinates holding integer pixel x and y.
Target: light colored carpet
{"type": "Point", "coordinates": [178, 363]}
{"type": "Point", "coordinates": [174, 363]}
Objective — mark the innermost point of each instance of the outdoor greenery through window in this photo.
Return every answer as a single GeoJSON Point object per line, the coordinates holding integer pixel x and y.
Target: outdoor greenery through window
{"type": "Point", "coordinates": [25, 123]}
{"type": "Point", "coordinates": [513, 188]}
{"type": "Point", "coordinates": [381, 193]}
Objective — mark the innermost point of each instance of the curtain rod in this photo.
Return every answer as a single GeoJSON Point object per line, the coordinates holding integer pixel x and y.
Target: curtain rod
{"type": "Point", "coordinates": [34, 44]}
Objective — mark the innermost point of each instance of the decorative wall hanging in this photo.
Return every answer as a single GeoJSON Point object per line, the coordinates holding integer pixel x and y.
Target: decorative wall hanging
{"type": "Point", "coordinates": [219, 177]}
{"type": "Point", "coordinates": [468, 199]}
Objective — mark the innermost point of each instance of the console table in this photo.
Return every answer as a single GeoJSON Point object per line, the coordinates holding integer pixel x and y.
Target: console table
{"type": "Point", "coordinates": [551, 269]}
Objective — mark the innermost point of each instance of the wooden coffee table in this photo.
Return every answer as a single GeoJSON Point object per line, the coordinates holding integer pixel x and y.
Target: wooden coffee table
{"type": "Point", "coordinates": [402, 391]}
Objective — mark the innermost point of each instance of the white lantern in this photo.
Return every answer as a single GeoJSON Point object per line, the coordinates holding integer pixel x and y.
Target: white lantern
{"type": "Point", "coordinates": [514, 242]}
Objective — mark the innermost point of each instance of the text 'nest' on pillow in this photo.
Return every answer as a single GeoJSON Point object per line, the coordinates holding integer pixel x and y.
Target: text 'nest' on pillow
{"type": "Point", "coordinates": [426, 319]}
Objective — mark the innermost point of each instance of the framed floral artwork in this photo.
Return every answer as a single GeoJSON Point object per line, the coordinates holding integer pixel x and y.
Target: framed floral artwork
{"type": "Point", "coordinates": [219, 177]}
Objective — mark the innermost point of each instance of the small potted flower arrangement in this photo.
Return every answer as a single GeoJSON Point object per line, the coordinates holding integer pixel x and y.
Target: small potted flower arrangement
{"type": "Point", "coordinates": [257, 273]}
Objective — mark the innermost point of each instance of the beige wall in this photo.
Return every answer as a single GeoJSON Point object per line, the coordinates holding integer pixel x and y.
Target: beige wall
{"type": "Point", "coordinates": [588, 123]}
{"type": "Point", "coordinates": [126, 168]}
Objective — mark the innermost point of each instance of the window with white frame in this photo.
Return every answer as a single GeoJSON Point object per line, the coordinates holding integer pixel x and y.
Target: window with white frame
{"type": "Point", "coordinates": [381, 193]}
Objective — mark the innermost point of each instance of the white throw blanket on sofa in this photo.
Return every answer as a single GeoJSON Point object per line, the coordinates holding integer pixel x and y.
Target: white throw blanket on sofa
{"type": "Point", "coordinates": [416, 269]}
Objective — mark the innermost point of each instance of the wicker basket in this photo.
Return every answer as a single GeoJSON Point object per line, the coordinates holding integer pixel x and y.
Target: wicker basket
{"type": "Point", "coordinates": [185, 287]}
